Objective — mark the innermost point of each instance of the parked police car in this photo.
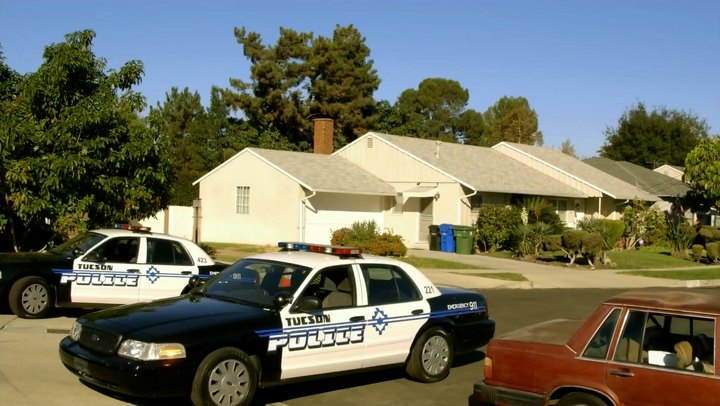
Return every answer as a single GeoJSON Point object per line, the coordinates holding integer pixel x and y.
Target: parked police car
{"type": "Point", "coordinates": [307, 311]}
{"type": "Point", "coordinates": [99, 268]}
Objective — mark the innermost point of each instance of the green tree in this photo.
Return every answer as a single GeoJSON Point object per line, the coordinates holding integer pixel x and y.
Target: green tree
{"type": "Point", "coordinates": [302, 77]}
{"type": "Point", "coordinates": [512, 119]}
{"type": "Point", "coordinates": [567, 148]}
{"type": "Point", "coordinates": [702, 173]}
{"type": "Point", "coordinates": [75, 153]}
{"type": "Point", "coordinates": [649, 139]}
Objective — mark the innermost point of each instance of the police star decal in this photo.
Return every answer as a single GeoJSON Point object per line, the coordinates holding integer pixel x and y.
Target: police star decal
{"type": "Point", "coordinates": [378, 320]}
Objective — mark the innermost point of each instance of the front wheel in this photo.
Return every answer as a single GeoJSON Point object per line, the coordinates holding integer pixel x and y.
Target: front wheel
{"type": "Point", "coordinates": [30, 298]}
{"type": "Point", "coordinates": [431, 356]}
{"type": "Point", "coordinates": [226, 377]}
{"type": "Point", "coordinates": [581, 399]}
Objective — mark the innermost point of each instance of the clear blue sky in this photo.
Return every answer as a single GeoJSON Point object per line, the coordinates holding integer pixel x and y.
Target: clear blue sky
{"type": "Point", "coordinates": [580, 63]}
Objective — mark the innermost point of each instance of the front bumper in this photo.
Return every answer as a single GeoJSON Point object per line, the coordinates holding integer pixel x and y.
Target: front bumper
{"type": "Point", "coordinates": [485, 394]}
{"type": "Point", "coordinates": [168, 378]}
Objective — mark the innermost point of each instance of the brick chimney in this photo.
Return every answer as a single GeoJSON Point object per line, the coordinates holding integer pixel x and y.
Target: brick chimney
{"type": "Point", "coordinates": [323, 135]}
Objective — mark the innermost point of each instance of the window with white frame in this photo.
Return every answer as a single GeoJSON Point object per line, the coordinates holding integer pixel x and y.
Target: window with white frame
{"type": "Point", "coordinates": [242, 200]}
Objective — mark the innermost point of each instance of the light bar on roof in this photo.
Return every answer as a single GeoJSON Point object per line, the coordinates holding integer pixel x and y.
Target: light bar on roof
{"type": "Point", "coordinates": [320, 248]}
{"type": "Point", "coordinates": [124, 226]}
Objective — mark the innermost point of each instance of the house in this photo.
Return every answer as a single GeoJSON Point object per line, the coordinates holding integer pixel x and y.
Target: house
{"type": "Point", "coordinates": [672, 171]}
{"type": "Point", "coordinates": [603, 194]}
{"type": "Point", "coordinates": [262, 196]}
{"type": "Point", "coordinates": [404, 184]}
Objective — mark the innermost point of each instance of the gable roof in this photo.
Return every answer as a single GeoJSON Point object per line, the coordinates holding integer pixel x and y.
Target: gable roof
{"type": "Point", "coordinates": [479, 168]}
{"type": "Point", "coordinates": [581, 171]}
{"type": "Point", "coordinates": [318, 172]}
{"type": "Point", "coordinates": [644, 178]}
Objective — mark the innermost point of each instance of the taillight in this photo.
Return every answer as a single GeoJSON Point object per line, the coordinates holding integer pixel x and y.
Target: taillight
{"type": "Point", "coordinates": [487, 368]}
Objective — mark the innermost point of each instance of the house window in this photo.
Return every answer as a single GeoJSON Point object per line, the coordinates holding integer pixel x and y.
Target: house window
{"type": "Point", "coordinates": [242, 200]}
{"type": "Point", "coordinates": [398, 208]}
{"type": "Point", "coordinates": [476, 201]}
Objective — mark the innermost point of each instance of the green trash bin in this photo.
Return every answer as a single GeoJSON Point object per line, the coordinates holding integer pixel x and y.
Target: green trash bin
{"type": "Point", "coordinates": [464, 239]}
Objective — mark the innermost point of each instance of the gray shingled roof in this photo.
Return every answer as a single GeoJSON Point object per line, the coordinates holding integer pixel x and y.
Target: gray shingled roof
{"type": "Point", "coordinates": [326, 173]}
{"type": "Point", "coordinates": [481, 168]}
{"type": "Point", "coordinates": [644, 178]}
{"type": "Point", "coordinates": [598, 179]}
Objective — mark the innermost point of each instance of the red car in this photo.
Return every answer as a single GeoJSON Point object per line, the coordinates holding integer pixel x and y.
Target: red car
{"type": "Point", "coordinates": [650, 347]}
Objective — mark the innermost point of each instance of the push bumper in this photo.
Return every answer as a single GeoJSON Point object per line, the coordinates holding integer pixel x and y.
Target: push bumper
{"type": "Point", "coordinates": [149, 379]}
{"type": "Point", "coordinates": [485, 394]}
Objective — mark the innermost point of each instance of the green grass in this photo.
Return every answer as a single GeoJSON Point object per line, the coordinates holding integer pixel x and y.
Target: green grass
{"type": "Point", "coordinates": [505, 276]}
{"type": "Point", "coordinates": [684, 275]}
{"type": "Point", "coordinates": [419, 262]}
{"type": "Point", "coordinates": [648, 258]}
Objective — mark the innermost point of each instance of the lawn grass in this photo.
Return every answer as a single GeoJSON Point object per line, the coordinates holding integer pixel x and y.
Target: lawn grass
{"type": "Point", "coordinates": [684, 275]}
{"type": "Point", "coordinates": [648, 258]}
{"type": "Point", "coordinates": [420, 262]}
{"type": "Point", "coordinates": [505, 276]}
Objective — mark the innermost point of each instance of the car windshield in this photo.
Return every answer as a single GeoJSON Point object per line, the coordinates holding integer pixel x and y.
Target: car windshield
{"type": "Point", "coordinates": [256, 281]}
{"type": "Point", "coordinates": [82, 242]}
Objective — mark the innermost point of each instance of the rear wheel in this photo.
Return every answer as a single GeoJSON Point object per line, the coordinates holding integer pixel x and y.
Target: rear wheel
{"type": "Point", "coordinates": [431, 356]}
{"type": "Point", "coordinates": [226, 377]}
{"type": "Point", "coordinates": [30, 298]}
{"type": "Point", "coordinates": [581, 399]}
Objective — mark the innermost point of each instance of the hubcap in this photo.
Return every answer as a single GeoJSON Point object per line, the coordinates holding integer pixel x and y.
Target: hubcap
{"type": "Point", "coordinates": [34, 298]}
{"type": "Point", "coordinates": [435, 355]}
{"type": "Point", "coordinates": [228, 383]}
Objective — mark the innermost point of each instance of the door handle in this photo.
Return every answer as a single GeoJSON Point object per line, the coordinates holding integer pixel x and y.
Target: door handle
{"type": "Point", "coordinates": [133, 270]}
{"type": "Point", "coordinates": [186, 272]}
{"type": "Point", "coordinates": [357, 318]}
{"type": "Point", "coordinates": [416, 312]}
{"type": "Point", "coordinates": [623, 373]}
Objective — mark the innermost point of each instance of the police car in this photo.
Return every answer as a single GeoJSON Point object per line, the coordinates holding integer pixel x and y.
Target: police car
{"type": "Point", "coordinates": [306, 311]}
{"type": "Point", "coordinates": [100, 268]}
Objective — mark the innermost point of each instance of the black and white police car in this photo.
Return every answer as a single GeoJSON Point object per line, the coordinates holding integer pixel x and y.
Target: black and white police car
{"type": "Point", "coordinates": [306, 311]}
{"type": "Point", "coordinates": [100, 268]}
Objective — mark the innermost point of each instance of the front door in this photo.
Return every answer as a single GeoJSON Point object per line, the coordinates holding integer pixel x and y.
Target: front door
{"type": "Point", "coordinates": [109, 274]}
{"type": "Point", "coordinates": [425, 210]}
{"type": "Point", "coordinates": [326, 340]}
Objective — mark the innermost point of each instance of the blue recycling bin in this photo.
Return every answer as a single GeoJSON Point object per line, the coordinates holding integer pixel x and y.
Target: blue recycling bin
{"type": "Point", "coordinates": [447, 239]}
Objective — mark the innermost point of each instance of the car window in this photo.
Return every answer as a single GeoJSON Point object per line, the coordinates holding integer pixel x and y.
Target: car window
{"type": "Point", "coordinates": [166, 252]}
{"type": "Point", "coordinates": [598, 346]}
{"type": "Point", "coordinates": [334, 286]}
{"type": "Point", "coordinates": [667, 340]}
{"type": "Point", "coordinates": [118, 250]}
{"type": "Point", "coordinates": [388, 284]}
{"type": "Point", "coordinates": [82, 242]}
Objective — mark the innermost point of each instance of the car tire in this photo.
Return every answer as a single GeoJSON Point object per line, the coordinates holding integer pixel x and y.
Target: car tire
{"type": "Point", "coordinates": [226, 377]}
{"type": "Point", "coordinates": [581, 399]}
{"type": "Point", "coordinates": [431, 356]}
{"type": "Point", "coordinates": [30, 298]}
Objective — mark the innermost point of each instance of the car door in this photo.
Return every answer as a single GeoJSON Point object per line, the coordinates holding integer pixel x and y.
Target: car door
{"type": "Point", "coordinates": [395, 311]}
{"type": "Point", "coordinates": [646, 370]}
{"type": "Point", "coordinates": [165, 270]}
{"type": "Point", "coordinates": [327, 336]}
{"type": "Point", "coordinates": [107, 274]}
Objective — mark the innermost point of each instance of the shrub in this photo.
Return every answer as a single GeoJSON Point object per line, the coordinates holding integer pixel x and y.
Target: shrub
{"type": "Point", "coordinates": [572, 240]}
{"type": "Point", "coordinates": [523, 240]}
{"type": "Point", "coordinates": [706, 234]}
{"type": "Point", "coordinates": [680, 235]}
{"type": "Point", "coordinates": [712, 249]}
{"type": "Point", "coordinates": [495, 225]}
{"type": "Point", "coordinates": [541, 211]}
{"type": "Point", "coordinates": [210, 250]}
{"type": "Point", "coordinates": [697, 252]}
{"type": "Point", "coordinates": [715, 234]}
{"type": "Point", "coordinates": [366, 235]}
{"type": "Point", "coordinates": [552, 243]}
{"type": "Point", "coordinates": [592, 244]}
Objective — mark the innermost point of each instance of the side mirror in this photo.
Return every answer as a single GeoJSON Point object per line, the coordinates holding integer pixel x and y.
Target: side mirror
{"type": "Point", "coordinates": [308, 304]}
{"type": "Point", "coordinates": [281, 299]}
{"type": "Point", "coordinates": [193, 283]}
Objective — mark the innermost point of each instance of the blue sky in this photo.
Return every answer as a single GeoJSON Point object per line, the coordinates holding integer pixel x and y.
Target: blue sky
{"type": "Point", "coordinates": [580, 63]}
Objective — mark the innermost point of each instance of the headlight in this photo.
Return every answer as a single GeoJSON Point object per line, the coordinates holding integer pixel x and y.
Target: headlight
{"type": "Point", "coordinates": [75, 331]}
{"type": "Point", "coordinates": [151, 351]}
